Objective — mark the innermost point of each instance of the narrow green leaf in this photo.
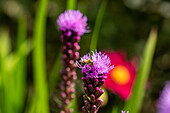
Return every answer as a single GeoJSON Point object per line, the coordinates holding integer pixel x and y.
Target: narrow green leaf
{"type": "Point", "coordinates": [97, 26]}
{"type": "Point", "coordinates": [73, 104]}
{"type": "Point", "coordinates": [71, 4]}
{"type": "Point", "coordinates": [12, 66]}
{"type": "Point", "coordinates": [21, 31]}
{"type": "Point", "coordinates": [115, 109]}
{"type": "Point", "coordinates": [55, 73]}
{"type": "Point", "coordinates": [39, 65]}
{"type": "Point", "coordinates": [7, 66]}
{"type": "Point", "coordinates": [20, 79]}
{"type": "Point", "coordinates": [5, 45]}
{"type": "Point", "coordinates": [134, 104]}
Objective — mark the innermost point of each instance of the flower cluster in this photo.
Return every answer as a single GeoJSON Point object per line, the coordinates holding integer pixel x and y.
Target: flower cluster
{"type": "Point", "coordinates": [94, 68]}
{"type": "Point", "coordinates": [73, 21]}
{"type": "Point", "coordinates": [95, 65]}
{"type": "Point", "coordinates": [164, 100]}
{"type": "Point", "coordinates": [72, 25]}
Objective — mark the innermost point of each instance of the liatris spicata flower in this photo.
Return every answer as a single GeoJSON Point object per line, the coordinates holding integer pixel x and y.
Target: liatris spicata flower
{"type": "Point", "coordinates": [72, 25]}
{"type": "Point", "coordinates": [94, 68]}
{"type": "Point", "coordinates": [164, 100]}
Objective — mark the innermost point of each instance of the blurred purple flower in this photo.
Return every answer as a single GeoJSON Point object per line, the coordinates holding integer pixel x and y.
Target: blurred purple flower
{"type": "Point", "coordinates": [72, 25]}
{"type": "Point", "coordinates": [163, 105]}
{"type": "Point", "coordinates": [94, 69]}
{"type": "Point", "coordinates": [74, 21]}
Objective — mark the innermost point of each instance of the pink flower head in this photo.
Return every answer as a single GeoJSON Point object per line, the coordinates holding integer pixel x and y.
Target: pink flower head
{"type": "Point", "coordinates": [164, 100]}
{"type": "Point", "coordinates": [94, 68]}
{"type": "Point", "coordinates": [120, 79]}
{"type": "Point", "coordinates": [97, 64]}
{"type": "Point", "coordinates": [74, 21]}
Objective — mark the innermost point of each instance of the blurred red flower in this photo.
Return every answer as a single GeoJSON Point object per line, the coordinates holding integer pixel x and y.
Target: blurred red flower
{"type": "Point", "coordinates": [121, 78]}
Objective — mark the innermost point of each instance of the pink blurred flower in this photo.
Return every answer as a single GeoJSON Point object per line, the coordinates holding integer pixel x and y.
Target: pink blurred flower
{"type": "Point", "coordinates": [73, 20]}
{"type": "Point", "coordinates": [163, 105]}
{"type": "Point", "coordinates": [121, 78]}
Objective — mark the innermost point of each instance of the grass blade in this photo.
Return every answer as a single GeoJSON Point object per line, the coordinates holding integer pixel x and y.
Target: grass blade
{"type": "Point", "coordinates": [12, 65]}
{"type": "Point", "coordinates": [73, 104]}
{"type": "Point", "coordinates": [71, 4]}
{"type": "Point", "coordinates": [7, 66]}
{"type": "Point", "coordinates": [4, 42]}
{"type": "Point", "coordinates": [41, 92]}
{"type": "Point", "coordinates": [97, 26]}
{"type": "Point", "coordinates": [134, 104]}
{"type": "Point", "coordinates": [115, 109]}
{"type": "Point", "coordinates": [5, 103]}
{"type": "Point", "coordinates": [20, 79]}
{"type": "Point", "coordinates": [55, 73]}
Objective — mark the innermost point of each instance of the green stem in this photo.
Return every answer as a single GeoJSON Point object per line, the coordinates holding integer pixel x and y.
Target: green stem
{"type": "Point", "coordinates": [21, 66]}
{"type": "Point", "coordinates": [134, 104]}
{"type": "Point", "coordinates": [55, 73]}
{"type": "Point", "coordinates": [39, 65]}
{"type": "Point", "coordinates": [71, 4]}
{"type": "Point", "coordinates": [97, 26]}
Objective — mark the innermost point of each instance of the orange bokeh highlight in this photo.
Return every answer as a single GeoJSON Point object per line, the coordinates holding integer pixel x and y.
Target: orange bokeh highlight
{"type": "Point", "coordinates": [120, 75]}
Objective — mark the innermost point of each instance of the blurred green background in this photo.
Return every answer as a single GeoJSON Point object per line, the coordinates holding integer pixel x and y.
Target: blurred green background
{"type": "Point", "coordinates": [125, 25]}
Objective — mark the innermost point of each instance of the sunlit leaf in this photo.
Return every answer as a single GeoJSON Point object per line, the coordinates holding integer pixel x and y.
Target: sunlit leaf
{"type": "Point", "coordinates": [20, 78]}
{"type": "Point", "coordinates": [5, 45]}
{"type": "Point", "coordinates": [134, 104]}
{"type": "Point", "coordinates": [39, 65]}
{"type": "Point", "coordinates": [71, 4]}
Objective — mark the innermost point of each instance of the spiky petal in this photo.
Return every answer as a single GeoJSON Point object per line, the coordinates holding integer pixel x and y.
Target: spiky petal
{"type": "Point", "coordinates": [73, 20]}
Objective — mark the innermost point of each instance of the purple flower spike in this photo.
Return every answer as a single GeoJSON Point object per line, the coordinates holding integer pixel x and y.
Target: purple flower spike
{"type": "Point", "coordinates": [72, 25]}
{"type": "Point", "coordinates": [94, 68]}
{"type": "Point", "coordinates": [72, 21]}
{"type": "Point", "coordinates": [164, 100]}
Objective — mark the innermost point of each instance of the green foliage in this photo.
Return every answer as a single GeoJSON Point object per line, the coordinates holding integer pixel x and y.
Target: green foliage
{"type": "Point", "coordinates": [119, 23]}
{"type": "Point", "coordinates": [13, 70]}
{"type": "Point", "coordinates": [39, 66]}
{"type": "Point", "coordinates": [71, 4]}
{"type": "Point", "coordinates": [115, 109]}
{"type": "Point", "coordinates": [6, 69]}
{"type": "Point", "coordinates": [21, 66]}
{"type": "Point", "coordinates": [73, 104]}
{"type": "Point", "coordinates": [134, 104]}
{"type": "Point", "coordinates": [97, 26]}
{"type": "Point", "coordinates": [55, 73]}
